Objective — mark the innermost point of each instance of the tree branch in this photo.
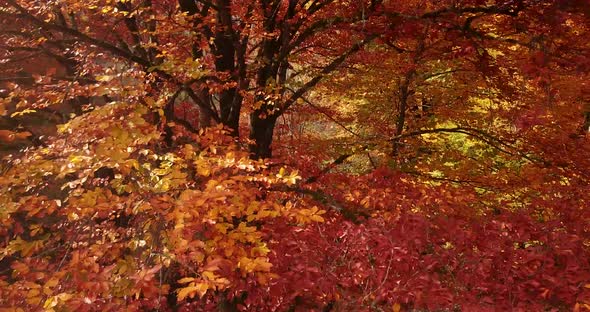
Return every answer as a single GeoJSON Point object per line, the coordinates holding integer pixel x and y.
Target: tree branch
{"type": "Point", "coordinates": [82, 36]}
{"type": "Point", "coordinates": [328, 69]}
{"type": "Point", "coordinates": [318, 109]}
{"type": "Point", "coordinates": [476, 133]}
{"type": "Point", "coordinates": [328, 201]}
{"type": "Point", "coordinates": [202, 104]}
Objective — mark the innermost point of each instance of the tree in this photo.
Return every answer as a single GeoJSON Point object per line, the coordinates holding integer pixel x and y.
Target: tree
{"type": "Point", "coordinates": [441, 157]}
{"type": "Point", "coordinates": [238, 50]}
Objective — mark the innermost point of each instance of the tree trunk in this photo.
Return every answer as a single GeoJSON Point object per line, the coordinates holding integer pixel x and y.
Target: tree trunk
{"type": "Point", "coordinates": [401, 115]}
{"type": "Point", "coordinates": [230, 103]}
{"type": "Point", "coordinates": [224, 50]}
{"type": "Point", "coordinates": [261, 133]}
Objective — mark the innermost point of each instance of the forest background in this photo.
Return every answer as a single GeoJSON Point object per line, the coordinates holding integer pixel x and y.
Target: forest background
{"type": "Point", "coordinates": [296, 155]}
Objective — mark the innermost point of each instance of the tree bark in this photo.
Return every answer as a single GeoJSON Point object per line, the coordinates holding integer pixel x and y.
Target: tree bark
{"type": "Point", "coordinates": [261, 132]}
{"type": "Point", "coordinates": [226, 42]}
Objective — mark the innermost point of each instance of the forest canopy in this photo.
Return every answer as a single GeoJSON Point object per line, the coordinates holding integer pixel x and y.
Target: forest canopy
{"type": "Point", "coordinates": [294, 155]}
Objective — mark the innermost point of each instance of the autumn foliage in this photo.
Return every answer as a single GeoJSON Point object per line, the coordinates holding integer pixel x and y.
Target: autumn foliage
{"type": "Point", "coordinates": [297, 155]}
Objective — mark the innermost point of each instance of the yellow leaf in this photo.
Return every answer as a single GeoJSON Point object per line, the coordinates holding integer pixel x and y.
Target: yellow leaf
{"type": "Point", "coordinates": [33, 292]}
{"type": "Point", "coordinates": [209, 275]}
{"type": "Point", "coordinates": [187, 291]}
{"type": "Point", "coordinates": [203, 170]}
{"type": "Point", "coordinates": [104, 78]}
{"type": "Point", "coordinates": [202, 289]}
{"type": "Point", "coordinates": [396, 307]}
{"type": "Point", "coordinates": [25, 111]}
{"type": "Point", "coordinates": [316, 218]}
{"type": "Point", "coordinates": [33, 300]}
{"type": "Point", "coordinates": [52, 282]}
{"type": "Point", "coordinates": [50, 302]}
{"type": "Point", "coordinates": [185, 280]}
{"type": "Point", "coordinates": [261, 250]}
{"type": "Point", "coordinates": [199, 288]}
{"type": "Point", "coordinates": [64, 296]}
